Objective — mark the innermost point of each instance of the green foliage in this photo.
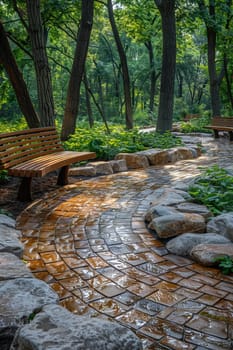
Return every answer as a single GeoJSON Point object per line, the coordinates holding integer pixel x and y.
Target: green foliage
{"type": "Point", "coordinates": [3, 176]}
{"type": "Point", "coordinates": [107, 145]}
{"type": "Point", "coordinates": [214, 188]}
{"type": "Point", "coordinates": [195, 125]}
{"type": "Point", "coordinates": [225, 263]}
{"type": "Point", "coordinates": [6, 126]}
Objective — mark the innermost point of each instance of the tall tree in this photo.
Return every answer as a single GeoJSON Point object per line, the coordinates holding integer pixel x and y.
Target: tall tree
{"type": "Point", "coordinates": [9, 63]}
{"type": "Point", "coordinates": [125, 71]}
{"type": "Point", "coordinates": [165, 114]}
{"type": "Point", "coordinates": [208, 14]}
{"type": "Point", "coordinates": [43, 76]}
{"type": "Point", "coordinates": [77, 71]}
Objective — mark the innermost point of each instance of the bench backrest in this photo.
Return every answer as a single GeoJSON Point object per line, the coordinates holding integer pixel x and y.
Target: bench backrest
{"type": "Point", "coordinates": [222, 121]}
{"type": "Point", "coordinates": [19, 146]}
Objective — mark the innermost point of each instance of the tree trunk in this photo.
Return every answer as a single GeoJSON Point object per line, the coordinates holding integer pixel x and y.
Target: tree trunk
{"type": "Point", "coordinates": [8, 61]}
{"type": "Point", "coordinates": [88, 102]}
{"type": "Point", "coordinates": [73, 93]}
{"type": "Point", "coordinates": [165, 114]}
{"type": "Point", "coordinates": [125, 71]}
{"type": "Point", "coordinates": [43, 74]}
{"type": "Point", "coordinates": [152, 77]}
{"type": "Point", "coordinates": [209, 19]}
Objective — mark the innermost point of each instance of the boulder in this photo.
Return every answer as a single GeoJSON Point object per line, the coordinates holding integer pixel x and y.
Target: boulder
{"type": "Point", "coordinates": [176, 224]}
{"type": "Point", "coordinates": [206, 253]}
{"type": "Point", "coordinates": [102, 168]}
{"type": "Point", "coordinates": [189, 207]}
{"type": "Point", "coordinates": [118, 165]}
{"type": "Point", "coordinates": [7, 221]}
{"type": "Point", "coordinates": [184, 153]}
{"type": "Point", "coordinates": [83, 171]}
{"type": "Point", "coordinates": [12, 267]}
{"type": "Point", "coordinates": [9, 241]}
{"type": "Point", "coordinates": [183, 244]}
{"type": "Point", "coordinates": [159, 210]}
{"type": "Point", "coordinates": [222, 224]}
{"type": "Point", "coordinates": [63, 330]}
{"type": "Point", "coordinates": [156, 156]}
{"type": "Point", "coordinates": [20, 299]}
{"type": "Point", "coordinates": [168, 197]}
{"type": "Point", "coordinates": [134, 160]}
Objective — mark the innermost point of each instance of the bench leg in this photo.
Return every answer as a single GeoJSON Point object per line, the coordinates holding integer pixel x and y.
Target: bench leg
{"type": "Point", "coordinates": [63, 176]}
{"type": "Point", "coordinates": [231, 135]}
{"type": "Point", "coordinates": [216, 135]}
{"type": "Point", "coordinates": [25, 190]}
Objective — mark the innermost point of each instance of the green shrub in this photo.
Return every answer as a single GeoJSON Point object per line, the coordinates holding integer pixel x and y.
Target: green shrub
{"type": "Point", "coordinates": [195, 125]}
{"type": "Point", "coordinates": [119, 140]}
{"type": "Point", "coordinates": [214, 188]}
{"type": "Point", "coordinates": [4, 176]}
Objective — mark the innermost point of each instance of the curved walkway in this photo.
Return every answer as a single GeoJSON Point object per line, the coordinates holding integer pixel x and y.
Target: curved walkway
{"type": "Point", "coordinates": [90, 243]}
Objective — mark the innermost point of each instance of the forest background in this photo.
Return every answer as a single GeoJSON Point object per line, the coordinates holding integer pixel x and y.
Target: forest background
{"type": "Point", "coordinates": [131, 62]}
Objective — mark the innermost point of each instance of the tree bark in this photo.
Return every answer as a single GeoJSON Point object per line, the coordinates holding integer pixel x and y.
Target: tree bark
{"type": "Point", "coordinates": [8, 61]}
{"type": "Point", "coordinates": [43, 75]}
{"type": "Point", "coordinates": [125, 71]}
{"type": "Point", "coordinates": [165, 114]}
{"type": "Point", "coordinates": [73, 93]}
{"type": "Point", "coordinates": [209, 19]}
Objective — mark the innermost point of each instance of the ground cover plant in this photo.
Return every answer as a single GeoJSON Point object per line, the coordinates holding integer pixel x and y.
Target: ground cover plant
{"type": "Point", "coordinates": [214, 188]}
{"type": "Point", "coordinates": [196, 125]}
{"type": "Point", "coordinates": [107, 145]}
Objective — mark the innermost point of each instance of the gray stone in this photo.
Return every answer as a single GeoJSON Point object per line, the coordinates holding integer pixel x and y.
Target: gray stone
{"type": "Point", "coordinates": [159, 210]}
{"type": "Point", "coordinates": [184, 153]}
{"type": "Point", "coordinates": [20, 299]}
{"type": "Point", "coordinates": [9, 241]}
{"type": "Point", "coordinates": [83, 171]}
{"type": "Point", "coordinates": [183, 244]}
{"type": "Point", "coordinates": [7, 221]}
{"type": "Point", "coordinates": [222, 224]}
{"type": "Point", "coordinates": [134, 160]}
{"type": "Point", "coordinates": [12, 267]}
{"type": "Point", "coordinates": [102, 168]}
{"type": "Point", "coordinates": [206, 253]}
{"type": "Point", "coordinates": [156, 156]}
{"type": "Point", "coordinates": [55, 328]}
{"type": "Point", "coordinates": [189, 207]}
{"type": "Point", "coordinates": [168, 196]}
{"type": "Point", "coordinates": [176, 224]}
{"type": "Point", "coordinates": [118, 165]}
{"type": "Point", "coordinates": [173, 155]}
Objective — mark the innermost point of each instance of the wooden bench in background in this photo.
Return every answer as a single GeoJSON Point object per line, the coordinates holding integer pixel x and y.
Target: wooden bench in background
{"type": "Point", "coordinates": [222, 124]}
{"type": "Point", "coordinates": [34, 153]}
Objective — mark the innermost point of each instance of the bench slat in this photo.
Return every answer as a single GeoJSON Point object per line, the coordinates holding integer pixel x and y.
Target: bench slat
{"type": "Point", "coordinates": [42, 165]}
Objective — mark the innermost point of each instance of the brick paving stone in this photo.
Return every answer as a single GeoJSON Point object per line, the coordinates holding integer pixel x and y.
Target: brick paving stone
{"type": "Point", "coordinates": [89, 242]}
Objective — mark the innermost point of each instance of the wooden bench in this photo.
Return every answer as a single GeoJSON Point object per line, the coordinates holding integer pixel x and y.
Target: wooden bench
{"type": "Point", "coordinates": [34, 153]}
{"type": "Point", "coordinates": [221, 124]}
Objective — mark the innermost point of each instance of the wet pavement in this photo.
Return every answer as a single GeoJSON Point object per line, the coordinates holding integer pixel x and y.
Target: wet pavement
{"type": "Point", "coordinates": [89, 242]}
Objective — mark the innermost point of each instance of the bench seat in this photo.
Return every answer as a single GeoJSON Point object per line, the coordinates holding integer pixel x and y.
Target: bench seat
{"type": "Point", "coordinates": [221, 124]}
{"type": "Point", "coordinates": [35, 153]}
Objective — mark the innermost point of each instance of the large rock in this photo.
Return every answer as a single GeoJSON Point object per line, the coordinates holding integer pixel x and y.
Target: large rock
{"type": "Point", "coordinates": [185, 153]}
{"type": "Point", "coordinates": [206, 253]}
{"type": "Point", "coordinates": [183, 244]}
{"type": "Point", "coordinates": [189, 207]}
{"type": "Point", "coordinates": [176, 224]}
{"type": "Point", "coordinates": [83, 171]}
{"type": "Point", "coordinates": [156, 156]}
{"type": "Point", "coordinates": [102, 168]}
{"type": "Point", "coordinates": [9, 241]}
{"type": "Point", "coordinates": [222, 224]}
{"type": "Point", "coordinates": [57, 329]}
{"type": "Point", "coordinates": [118, 165]}
{"type": "Point", "coordinates": [7, 221]}
{"type": "Point", "coordinates": [20, 299]}
{"type": "Point", "coordinates": [134, 160]}
{"type": "Point", "coordinates": [168, 196]}
{"type": "Point", "coordinates": [12, 267]}
{"type": "Point", "coordinates": [159, 210]}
